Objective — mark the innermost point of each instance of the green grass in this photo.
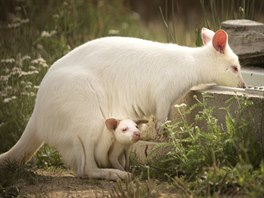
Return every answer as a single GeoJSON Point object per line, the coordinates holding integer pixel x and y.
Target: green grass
{"type": "Point", "coordinates": [12, 177]}
{"type": "Point", "coordinates": [207, 159]}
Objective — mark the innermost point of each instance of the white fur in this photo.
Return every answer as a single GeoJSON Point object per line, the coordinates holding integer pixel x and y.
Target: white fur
{"type": "Point", "coordinates": [125, 134]}
{"type": "Point", "coordinates": [114, 76]}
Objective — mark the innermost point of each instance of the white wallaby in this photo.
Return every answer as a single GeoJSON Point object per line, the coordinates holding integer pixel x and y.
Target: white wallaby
{"type": "Point", "coordinates": [117, 77]}
{"type": "Point", "coordinates": [126, 132]}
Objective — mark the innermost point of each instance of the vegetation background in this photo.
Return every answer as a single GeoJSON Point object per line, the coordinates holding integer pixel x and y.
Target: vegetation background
{"type": "Point", "coordinates": [34, 34]}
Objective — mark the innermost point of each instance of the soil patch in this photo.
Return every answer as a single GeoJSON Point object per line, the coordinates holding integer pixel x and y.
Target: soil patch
{"type": "Point", "coordinates": [64, 184]}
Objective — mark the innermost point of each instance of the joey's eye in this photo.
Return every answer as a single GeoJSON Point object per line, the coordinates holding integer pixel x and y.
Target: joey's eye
{"type": "Point", "coordinates": [124, 129]}
{"type": "Point", "coordinates": [234, 69]}
{"type": "Point", "coordinates": [137, 126]}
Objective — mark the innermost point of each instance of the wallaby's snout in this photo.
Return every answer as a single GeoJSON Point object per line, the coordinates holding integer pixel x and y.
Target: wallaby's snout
{"type": "Point", "coordinates": [242, 84]}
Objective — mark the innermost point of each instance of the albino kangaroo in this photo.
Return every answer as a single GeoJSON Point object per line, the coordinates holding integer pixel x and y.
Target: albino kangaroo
{"type": "Point", "coordinates": [126, 133]}
{"type": "Point", "coordinates": [117, 76]}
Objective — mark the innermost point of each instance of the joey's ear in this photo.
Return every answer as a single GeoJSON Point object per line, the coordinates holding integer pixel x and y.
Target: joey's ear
{"type": "Point", "coordinates": [141, 121]}
{"type": "Point", "coordinates": [207, 35]}
{"type": "Point", "coordinates": [111, 123]}
{"type": "Point", "coordinates": [220, 41]}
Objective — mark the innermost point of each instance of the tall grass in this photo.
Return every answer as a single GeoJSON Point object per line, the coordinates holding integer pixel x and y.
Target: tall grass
{"type": "Point", "coordinates": [218, 11]}
{"type": "Point", "coordinates": [211, 14]}
{"type": "Point", "coordinates": [209, 159]}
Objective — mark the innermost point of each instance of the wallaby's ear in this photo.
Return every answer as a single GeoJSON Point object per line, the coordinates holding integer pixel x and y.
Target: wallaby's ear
{"type": "Point", "coordinates": [220, 41]}
{"type": "Point", "coordinates": [141, 121]}
{"type": "Point", "coordinates": [111, 123]}
{"type": "Point", "coordinates": [207, 35]}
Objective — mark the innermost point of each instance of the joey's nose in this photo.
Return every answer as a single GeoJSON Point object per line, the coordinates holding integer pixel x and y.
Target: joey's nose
{"type": "Point", "coordinates": [136, 135]}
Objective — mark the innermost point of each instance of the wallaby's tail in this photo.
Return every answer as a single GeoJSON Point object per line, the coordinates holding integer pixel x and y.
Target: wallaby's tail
{"type": "Point", "coordinates": [26, 146]}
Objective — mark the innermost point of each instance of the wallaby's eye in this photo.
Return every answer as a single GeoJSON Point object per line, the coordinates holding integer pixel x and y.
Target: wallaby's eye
{"type": "Point", "coordinates": [234, 69]}
{"type": "Point", "coordinates": [137, 126]}
{"type": "Point", "coordinates": [124, 129]}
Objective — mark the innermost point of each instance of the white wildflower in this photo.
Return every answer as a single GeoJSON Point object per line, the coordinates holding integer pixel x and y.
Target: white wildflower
{"type": "Point", "coordinates": [135, 16]}
{"type": "Point", "coordinates": [56, 16]}
{"type": "Point", "coordinates": [40, 61]}
{"type": "Point", "coordinates": [113, 32]}
{"type": "Point", "coordinates": [28, 86]}
{"type": "Point", "coordinates": [23, 73]}
{"type": "Point", "coordinates": [6, 70]}
{"type": "Point", "coordinates": [31, 67]}
{"type": "Point", "coordinates": [36, 87]}
{"type": "Point", "coordinates": [18, 8]}
{"type": "Point", "coordinates": [24, 93]}
{"type": "Point", "coordinates": [8, 60]}
{"type": "Point", "coordinates": [7, 100]}
{"type": "Point", "coordinates": [24, 21]}
{"type": "Point", "coordinates": [13, 25]}
{"type": "Point", "coordinates": [180, 105]}
{"type": "Point", "coordinates": [48, 34]}
{"type": "Point", "coordinates": [32, 94]}
{"type": "Point", "coordinates": [2, 124]}
{"type": "Point", "coordinates": [3, 93]}
{"type": "Point", "coordinates": [26, 57]}
{"type": "Point", "coordinates": [16, 22]}
{"type": "Point", "coordinates": [8, 88]}
{"type": "Point", "coordinates": [16, 70]}
{"type": "Point", "coordinates": [39, 46]}
{"type": "Point", "coordinates": [15, 18]}
{"type": "Point", "coordinates": [4, 78]}
{"type": "Point", "coordinates": [167, 122]}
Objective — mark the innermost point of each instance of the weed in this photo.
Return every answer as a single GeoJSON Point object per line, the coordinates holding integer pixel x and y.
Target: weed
{"type": "Point", "coordinates": [207, 158]}
{"type": "Point", "coordinates": [134, 188]}
{"type": "Point", "coordinates": [12, 176]}
{"type": "Point", "coordinates": [48, 157]}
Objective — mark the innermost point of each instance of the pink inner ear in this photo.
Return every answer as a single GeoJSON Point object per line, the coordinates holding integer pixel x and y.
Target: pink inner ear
{"type": "Point", "coordinates": [219, 41]}
{"type": "Point", "coordinates": [111, 124]}
{"type": "Point", "coordinates": [205, 39]}
{"type": "Point", "coordinates": [206, 35]}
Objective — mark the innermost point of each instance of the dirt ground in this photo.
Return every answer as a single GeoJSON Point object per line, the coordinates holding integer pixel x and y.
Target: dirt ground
{"type": "Point", "coordinates": [62, 183]}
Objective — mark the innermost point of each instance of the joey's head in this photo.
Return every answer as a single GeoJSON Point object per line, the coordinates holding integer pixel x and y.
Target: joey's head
{"type": "Point", "coordinates": [125, 131]}
{"type": "Point", "coordinates": [223, 61]}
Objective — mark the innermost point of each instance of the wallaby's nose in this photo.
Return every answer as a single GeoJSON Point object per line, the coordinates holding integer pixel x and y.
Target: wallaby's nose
{"type": "Point", "coordinates": [242, 85]}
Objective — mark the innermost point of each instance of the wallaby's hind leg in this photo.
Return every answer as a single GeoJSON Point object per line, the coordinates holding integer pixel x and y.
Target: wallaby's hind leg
{"type": "Point", "coordinates": [26, 146]}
